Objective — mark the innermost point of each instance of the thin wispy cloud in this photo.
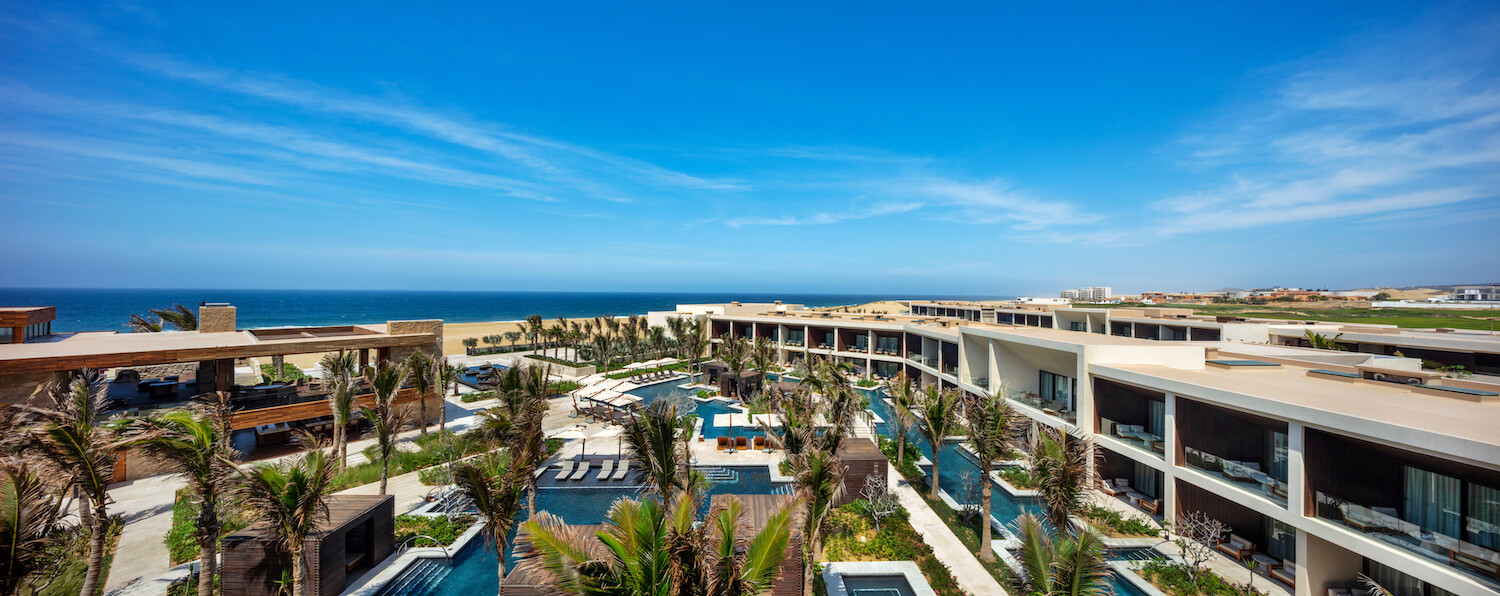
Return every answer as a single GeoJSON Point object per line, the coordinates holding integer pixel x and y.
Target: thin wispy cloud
{"type": "Point", "coordinates": [826, 217]}
{"type": "Point", "coordinates": [1392, 125]}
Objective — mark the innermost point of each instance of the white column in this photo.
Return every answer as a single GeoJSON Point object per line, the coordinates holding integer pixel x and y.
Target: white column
{"type": "Point", "coordinates": [1296, 466]}
{"type": "Point", "coordinates": [1169, 426]}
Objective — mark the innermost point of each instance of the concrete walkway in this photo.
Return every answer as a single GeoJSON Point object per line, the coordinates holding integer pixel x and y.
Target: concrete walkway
{"type": "Point", "coordinates": [146, 505]}
{"type": "Point", "coordinates": [972, 577]}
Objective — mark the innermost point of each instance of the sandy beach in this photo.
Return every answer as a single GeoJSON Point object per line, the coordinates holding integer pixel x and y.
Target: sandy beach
{"type": "Point", "coordinates": [453, 337]}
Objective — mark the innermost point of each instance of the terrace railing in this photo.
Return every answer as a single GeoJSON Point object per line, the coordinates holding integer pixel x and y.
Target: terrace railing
{"type": "Point", "coordinates": [1385, 524]}
{"type": "Point", "coordinates": [1246, 475]}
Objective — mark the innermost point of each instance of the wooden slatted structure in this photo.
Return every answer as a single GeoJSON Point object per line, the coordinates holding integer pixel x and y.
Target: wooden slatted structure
{"type": "Point", "coordinates": [863, 460]}
{"type": "Point", "coordinates": [118, 350]}
{"type": "Point", "coordinates": [358, 534]}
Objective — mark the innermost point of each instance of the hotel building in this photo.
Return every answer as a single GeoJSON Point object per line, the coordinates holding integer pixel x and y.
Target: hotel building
{"type": "Point", "coordinates": [1331, 463]}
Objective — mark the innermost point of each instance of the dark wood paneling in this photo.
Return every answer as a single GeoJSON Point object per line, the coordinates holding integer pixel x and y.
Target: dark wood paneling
{"type": "Point", "coordinates": [170, 356]}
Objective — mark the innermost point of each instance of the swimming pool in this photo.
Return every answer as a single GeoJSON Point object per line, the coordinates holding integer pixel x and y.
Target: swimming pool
{"type": "Point", "coordinates": [474, 570]}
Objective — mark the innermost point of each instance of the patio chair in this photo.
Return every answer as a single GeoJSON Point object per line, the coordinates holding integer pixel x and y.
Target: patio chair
{"type": "Point", "coordinates": [1109, 488]}
{"type": "Point", "coordinates": [621, 470]}
{"type": "Point", "coordinates": [1287, 572]}
{"type": "Point", "coordinates": [1152, 506]}
{"type": "Point", "coordinates": [741, 442]}
{"type": "Point", "coordinates": [605, 469]}
{"type": "Point", "coordinates": [565, 469]}
{"type": "Point", "coordinates": [1237, 547]}
{"type": "Point", "coordinates": [760, 442]}
{"type": "Point", "coordinates": [723, 443]}
{"type": "Point", "coordinates": [582, 471]}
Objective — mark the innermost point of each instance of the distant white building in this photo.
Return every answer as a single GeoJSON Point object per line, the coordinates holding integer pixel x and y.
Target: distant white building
{"type": "Point", "coordinates": [1490, 293]}
{"type": "Point", "coordinates": [1030, 300]}
{"type": "Point", "coordinates": [1093, 294]}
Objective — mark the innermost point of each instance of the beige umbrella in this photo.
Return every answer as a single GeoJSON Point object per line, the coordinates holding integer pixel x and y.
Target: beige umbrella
{"type": "Point", "coordinates": [571, 434]}
{"type": "Point", "coordinates": [617, 433]}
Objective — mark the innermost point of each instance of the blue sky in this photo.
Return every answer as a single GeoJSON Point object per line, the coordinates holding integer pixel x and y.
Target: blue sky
{"type": "Point", "coordinates": [974, 149]}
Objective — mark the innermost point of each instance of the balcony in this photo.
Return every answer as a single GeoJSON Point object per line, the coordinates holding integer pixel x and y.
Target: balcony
{"type": "Point", "coordinates": [1136, 435]}
{"type": "Point", "coordinates": [792, 343]}
{"type": "Point", "coordinates": [977, 381]}
{"type": "Point", "coordinates": [922, 359]}
{"type": "Point", "coordinates": [950, 369]}
{"type": "Point", "coordinates": [1055, 408]}
{"type": "Point", "coordinates": [1244, 474]}
{"type": "Point", "coordinates": [888, 351]}
{"type": "Point", "coordinates": [1385, 524]}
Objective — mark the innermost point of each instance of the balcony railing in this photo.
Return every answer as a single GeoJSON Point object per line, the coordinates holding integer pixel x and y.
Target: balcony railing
{"type": "Point", "coordinates": [1385, 524]}
{"type": "Point", "coordinates": [950, 369]}
{"type": "Point", "coordinates": [922, 359]}
{"type": "Point", "coordinates": [977, 381]}
{"type": "Point", "coordinates": [1136, 436]}
{"type": "Point", "coordinates": [888, 351]}
{"type": "Point", "coordinates": [1246, 475]}
{"type": "Point", "coordinates": [1054, 408]}
{"type": "Point", "coordinates": [794, 344]}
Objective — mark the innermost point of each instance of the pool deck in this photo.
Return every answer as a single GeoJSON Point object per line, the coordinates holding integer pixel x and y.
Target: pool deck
{"type": "Point", "coordinates": [971, 576]}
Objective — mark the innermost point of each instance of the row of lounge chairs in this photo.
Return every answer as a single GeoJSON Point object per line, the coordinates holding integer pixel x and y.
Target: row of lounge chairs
{"type": "Point", "coordinates": [656, 376]}
{"type": "Point", "coordinates": [570, 470]}
{"type": "Point", "coordinates": [1120, 487]}
{"type": "Point", "coordinates": [740, 443]}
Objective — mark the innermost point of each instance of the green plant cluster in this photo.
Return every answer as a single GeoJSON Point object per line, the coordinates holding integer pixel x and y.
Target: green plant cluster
{"type": "Point", "coordinates": [182, 546]}
{"type": "Point", "coordinates": [896, 541]}
{"type": "Point", "coordinates": [559, 361]}
{"type": "Point", "coordinates": [908, 467]}
{"type": "Point", "coordinates": [1119, 524]}
{"type": "Point", "coordinates": [444, 528]}
{"type": "Point", "coordinates": [1018, 477]}
{"type": "Point", "coordinates": [705, 394]}
{"type": "Point", "coordinates": [288, 372]}
{"type": "Point", "coordinates": [557, 387]}
{"type": "Point", "coordinates": [69, 557]}
{"type": "Point", "coordinates": [866, 383]}
{"type": "Point", "coordinates": [1175, 579]}
{"type": "Point", "coordinates": [470, 398]}
{"type": "Point", "coordinates": [433, 449]}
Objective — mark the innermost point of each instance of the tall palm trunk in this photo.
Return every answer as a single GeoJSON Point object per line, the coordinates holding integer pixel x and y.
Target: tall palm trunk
{"type": "Point", "coordinates": [297, 563]}
{"type": "Point", "coordinates": [900, 448]}
{"type": "Point", "coordinates": [208, 566]}
{"type": "Point", "coordinates": [986, 553]}
{"type": "Point", "coordinates": [809, 563]}
{"type": "Point", "coordinates": [933, 494]}
{"type": "Point", "coordinates": [385, 472]}
{"type": "Point", "coordinates": [97, 536]}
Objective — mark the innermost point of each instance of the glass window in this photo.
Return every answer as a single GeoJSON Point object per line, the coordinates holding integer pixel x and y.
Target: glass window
{"type": "Point", "coordinates": [1283, 541]}
{"type": "Point", "coordinates": [1432, 501]}
{"type": "Point", "coordinates": [1483, 521]}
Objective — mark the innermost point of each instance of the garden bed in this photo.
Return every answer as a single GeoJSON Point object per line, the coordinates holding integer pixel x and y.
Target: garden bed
{"type": "Point", "coordinates": [850, 536]}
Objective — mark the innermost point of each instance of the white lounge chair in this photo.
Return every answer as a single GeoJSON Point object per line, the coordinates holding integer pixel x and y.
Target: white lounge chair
{"type": "Point", "coordinates": [565, 469]}
{"type": "Point", "coordinates": [606, 469]}
{"type": "Point", "coordinates": [621, 471]}
{"type": "Point", "coordinates": [582, 470]}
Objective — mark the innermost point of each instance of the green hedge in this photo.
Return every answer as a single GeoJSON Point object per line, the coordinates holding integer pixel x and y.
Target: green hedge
{"type": "Point", "coordinates": [1018, 477]}
{"type": "Point", "coordinates": [1173, 579]}
{"type": "Point", "coordinates": [632, 373]}
{"type": "Point", "coordinates": [288, 372]}
{"type": "Point", "coordinates": [470, 398]}
{"type": "Point", "coordinates": [1119, 524]}
{"type": "Point", "coordinates": [445, 529]}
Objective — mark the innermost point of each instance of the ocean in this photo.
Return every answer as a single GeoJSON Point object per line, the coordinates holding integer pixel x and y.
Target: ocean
{"type": "Point", "coordinates": [109, 310]}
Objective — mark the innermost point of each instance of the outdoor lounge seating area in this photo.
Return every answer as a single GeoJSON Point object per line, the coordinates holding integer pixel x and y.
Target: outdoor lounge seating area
{"type": "Point", "coordinates": [609, 470]}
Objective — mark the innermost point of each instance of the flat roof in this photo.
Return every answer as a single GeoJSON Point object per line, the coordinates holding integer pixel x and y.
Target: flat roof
{"type": "Point", "coordinates": [1335, 403]}
{"type": "Point", "coordinates": [107, 349]}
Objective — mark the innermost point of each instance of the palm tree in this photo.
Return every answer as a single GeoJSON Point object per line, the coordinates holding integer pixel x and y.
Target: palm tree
{"type": "Point", "coordinates": [139, 324]}
{"type": "Point", "coordinates": [179, 316]}
{"type": "Point", "coordinates": [714, 558]}
{"type": "Point", "coordinates": [70, 440]}
{"type": "Point", "coordinates": [820, 483]}
{"type": "Point", "coordinates": [762, 357]}
{"type": "Point", "coordinates": [1058, 565]}
{"type": "Point", "coordinates": [495, 494]}
{"type": "Point", "coordinates": [656, 441]}
{"type": "Point", "coordinates": [533, 327]}
{"type": "Point", "coordinates": [656, 336]}
{"type": "Point", "coordinates": [385, 418]}
{"type": "Point", "coordinates": [30, 525]}
{"type": "Point", "coordinates": [1060, 464]}
{"type": "Point", "coordinates": [795, 434]}
{"type": "Point", "coordinates": [734, 351]}
{"type": "Point", "coordinates": [191, 443]}
{"type": "Point", "coordinates": [697, 339]}
{"type": "Point", "coordinates": [470, 343]}
{"type": "Point", "coordinates": [991, 423]}
{"type": "Point", "coordinates": [904, 396]}
{"type": "Point", "coordinates": [448, 376]}
{"type": "Point", "coordinates": [422, 369]}
{"type": "Point", "coordinates": [678, 327]}
{"type": "Point", "coordinates": [339, 370]}
{"type": "Point", "coordinates": [512, 337]}
{"type": "Point", "coordinates": [291, 499]}
{"type": "Point", "coordinates": [939, 409]}
{"type": "Point", "coordinates": [1323, 342]}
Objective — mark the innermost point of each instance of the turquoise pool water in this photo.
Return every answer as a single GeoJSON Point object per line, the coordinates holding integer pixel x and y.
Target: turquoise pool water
{"type": "Point", "coordinates": [474, 569]}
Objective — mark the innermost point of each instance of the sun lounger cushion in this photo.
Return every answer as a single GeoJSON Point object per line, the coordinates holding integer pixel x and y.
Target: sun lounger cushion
{"type": "Point", "coordinates": [621, 471]}
{"type": "Point", "coordinates": [723, 443]}
{"type": "Point", "coordinates": [606, 469]}
{"type": "Point", "coordinates": [565, 469]}
{"type": "Point", "coordinates": [582, 470]}
{"type": "Point", "coordinates": [741, 442]}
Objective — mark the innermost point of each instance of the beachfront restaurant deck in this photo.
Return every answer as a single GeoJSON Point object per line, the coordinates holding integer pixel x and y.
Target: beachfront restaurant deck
{"type": "Point", "coordinates": [150, 371]}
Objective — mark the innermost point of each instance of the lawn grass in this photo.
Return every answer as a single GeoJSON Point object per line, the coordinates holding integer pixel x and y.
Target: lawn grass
{"type": "Point", "coordinates": [1412, 318]}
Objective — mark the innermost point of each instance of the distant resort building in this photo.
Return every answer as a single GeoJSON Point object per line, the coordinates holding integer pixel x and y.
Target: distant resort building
{"type": "Point", "coordinates": [1326, 464]}
{"type": "Point", "coordinates": [1094, 294]}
